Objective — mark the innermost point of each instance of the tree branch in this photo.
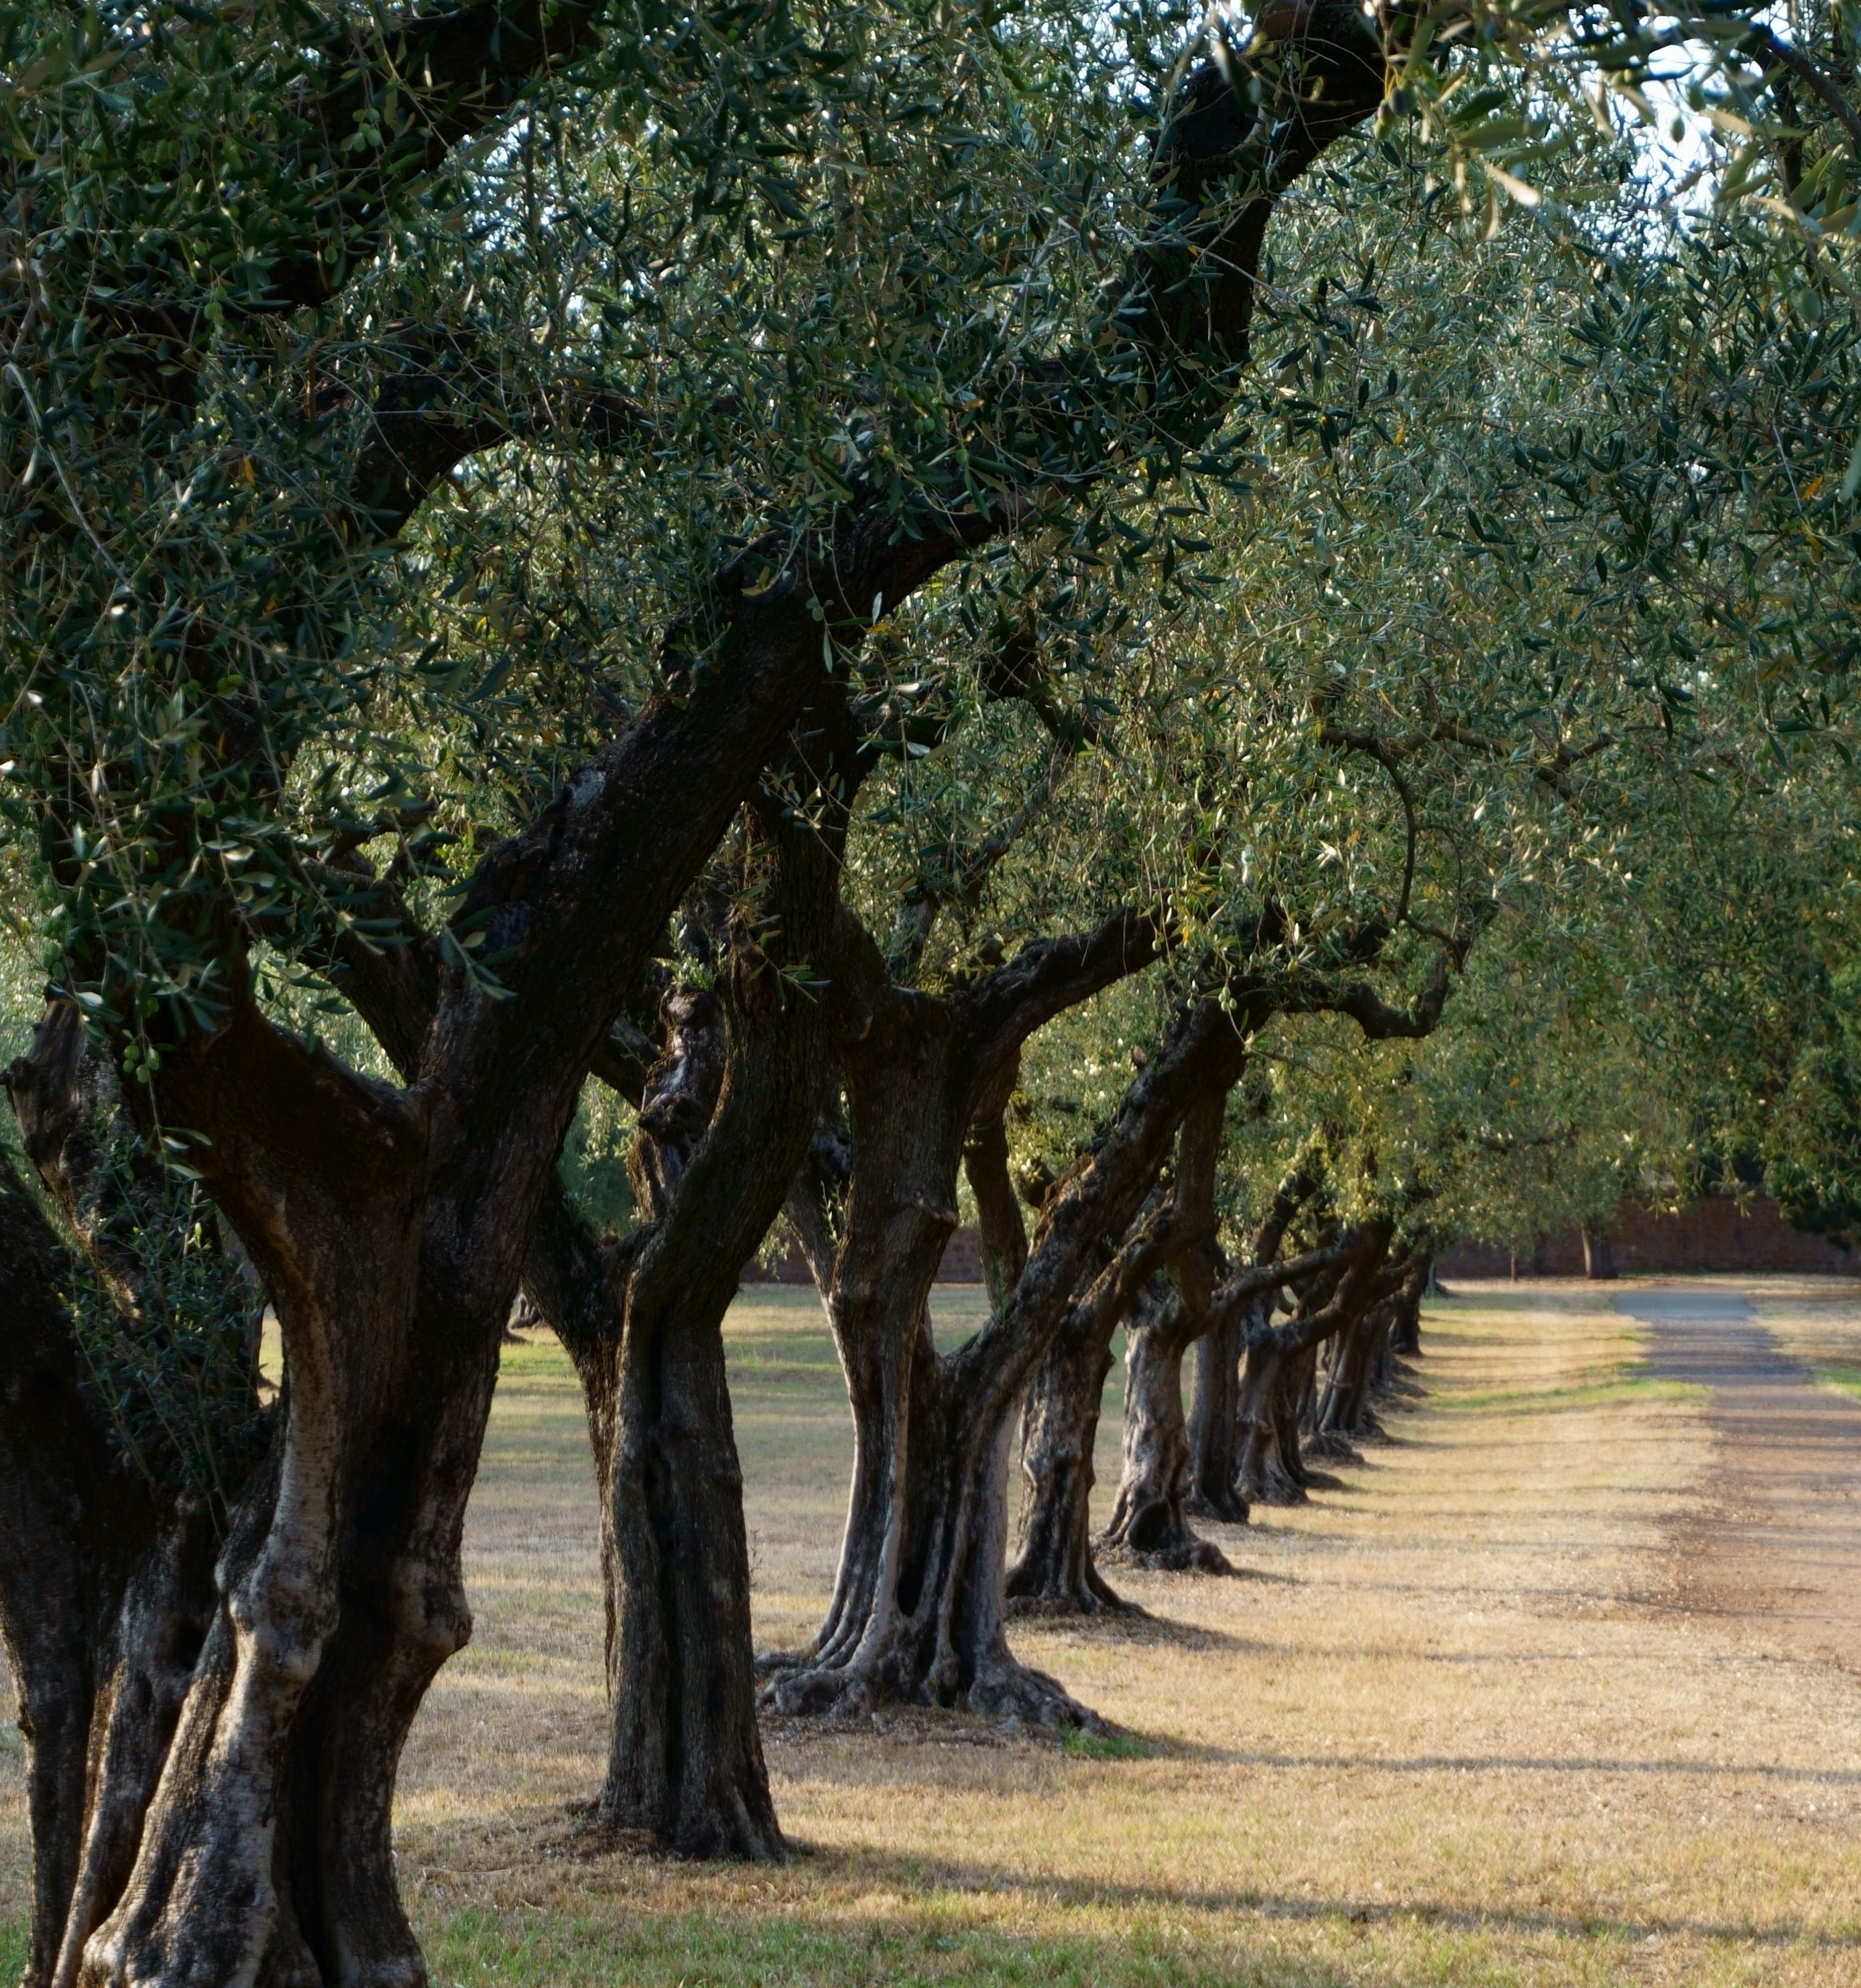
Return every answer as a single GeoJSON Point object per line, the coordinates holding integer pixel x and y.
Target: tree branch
{"type": "Point", "coordinates": [452, 71]}
{"type": "Point", "coordinates": [1762, 36]}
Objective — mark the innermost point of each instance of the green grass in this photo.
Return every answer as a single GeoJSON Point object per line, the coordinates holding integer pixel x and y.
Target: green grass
{"type": "Point", "coordinates": [1625, 1385]}
{"type": "Point", "coordinates": [1125, 1950]}
{"type": "Point", "coordinates": [1843, 1380]}
{"type": "Point", "coordinates": [1103, 1745]}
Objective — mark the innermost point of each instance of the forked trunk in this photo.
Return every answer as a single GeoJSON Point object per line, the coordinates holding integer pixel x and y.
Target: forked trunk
{"type": "Point", "coordinates": [1054, 1571]}
{"type": "Point", "coordinates": [907, 1117]}
{"type": "Point", "coordinates": [1271, 1470]}
{"type": "Point", "coordinates": [1344, 1406]}
{"type": "Point", "coordinates": [918, 1612]}
{"type": "Point", "coordinates": [918, 1607]}
{"type": "Point", "coordinates": [726, 1116]}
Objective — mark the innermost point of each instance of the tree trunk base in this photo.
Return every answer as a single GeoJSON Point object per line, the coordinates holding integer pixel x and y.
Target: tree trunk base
{"type": "Point", "coordinates": [801, 1688]}
{"type": "Point", "coordinates": [737, 1828]}
{"type": "Point", "coordinates": [1185, 1556]}
{"type": "Point", "coordinates": [1365, 1427]}
{"type": "Point", "coordinates": [1089, 1594]}
{"type": "Point", "coordinates": [1008, 1689]}
{"type": "Point", "coordinates": [1336, 1445]}
{"type": "Point", "coordinates": [1228, 1506]}
{"type": "Point", "coordinates": [1271, 1486]}
{"type": "Point", "coordinates": [1056, 1608]}
{"type": "Point", "coordinates": [1002, 1688]}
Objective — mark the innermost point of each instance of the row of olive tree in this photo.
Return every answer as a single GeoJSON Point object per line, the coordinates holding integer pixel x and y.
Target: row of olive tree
{"type": "Point", "coordinates": [302, 308]}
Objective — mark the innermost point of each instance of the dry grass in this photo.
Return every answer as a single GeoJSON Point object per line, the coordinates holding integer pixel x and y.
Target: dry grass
{"type": "Point", "coordinates": [1451, 1729]}
{"type": "Point", "coordinates": [1817, 1319]}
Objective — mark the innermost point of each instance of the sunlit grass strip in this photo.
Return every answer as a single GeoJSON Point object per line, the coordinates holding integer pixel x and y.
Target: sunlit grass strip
{"type": "Point", "coordinates": [936, 1938]}
{"type": "Point", "coordinates": [1625, 1385]}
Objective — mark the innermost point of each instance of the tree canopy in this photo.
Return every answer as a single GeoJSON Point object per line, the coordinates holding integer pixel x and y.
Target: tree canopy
{"type": "Point", "coordinates": [1223, 643]}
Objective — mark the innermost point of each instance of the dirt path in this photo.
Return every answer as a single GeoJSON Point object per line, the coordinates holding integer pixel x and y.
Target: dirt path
{"type": "Point", "coordinates": [1775, 1550]}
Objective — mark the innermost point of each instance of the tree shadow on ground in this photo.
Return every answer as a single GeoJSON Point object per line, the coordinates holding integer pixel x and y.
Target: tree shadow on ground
{"type": "Point", "coordinates": [921, 1874]}
{"type": "Point", "coordinates": [918, 1924]}
{"type": "Point", "coordinates": [799, 1950]}
{"type": "Point", "coordinates": [1137, 1626]}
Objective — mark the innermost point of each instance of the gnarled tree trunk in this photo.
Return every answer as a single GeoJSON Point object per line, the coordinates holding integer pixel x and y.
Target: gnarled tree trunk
{"type": "Point", "coordinates": [242, 1717]}
{"type": "Point", "coordinates": [1150, 1525]}
{"type": "Point", "coordinates": [1231, 1450]}
{"type": "Point", "coordinates": [388, 1229]}
{"type": "Point", "coordinates": [918, 1613]}
{"type": "Point", "coordinates": [1277, 1381]}
{"type": "Point", "coordinates": [105, 1591]}
{"type": "Point", "coordinates": [1405, 1334]}
{"type": "Point", "coordinates": [726, 1119]}
{"type": "Point", "coordinates": [1344, 1408]}
{"type": "Point", "coordinates": [1272, 1471]}
{"type": "Point", "coordinates": [1054, 1571]}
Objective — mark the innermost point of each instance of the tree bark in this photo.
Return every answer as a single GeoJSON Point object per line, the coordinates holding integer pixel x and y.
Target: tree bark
{"type": "Point", "coordinates": [1405, 1335]}
{"type": "Point", "coordinates": [242, 1717]}
{"type": "Point", "coordinates": [1213, 1491]}
{"type": "Point", "coordinates": [1054, 1572]}
{"type": "Point", "coordinates": [1598, 1259]}
{"type": "Point", "coordinates": [1344, 1410]}
{"type": "Point", "coordinates": [1277, 1379]}
{"type": "Point", "coordinates": [1148, 1525]}
{"type": "Point", "coordinates": [726, 1119]}
{"type": "Point", "coordinates": [1226, 1472]}
{"type": "Point", "coordinates": [1270, 1472]}
{"type": "Point", "coordinates": [105, 1589]}
{"type": "Point", "coordinates": [919, 1612]}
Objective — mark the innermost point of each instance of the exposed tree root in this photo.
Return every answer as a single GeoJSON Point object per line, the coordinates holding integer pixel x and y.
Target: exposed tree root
{"type": "Point", "coordinates": [1085, 1592]}
{"type": "Point", "coordinates": [1102, 1599]}
{"type": "Point", "coordinates": [1003, 1688]}
{"type": "Point", "coordinates": [1192, 1555]}
{"type": "Point", "coordinates": [1008, 1689]}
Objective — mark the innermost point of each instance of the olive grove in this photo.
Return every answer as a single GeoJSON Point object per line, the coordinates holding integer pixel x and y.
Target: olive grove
{"type": "Point", "coordinates": [586, 580]}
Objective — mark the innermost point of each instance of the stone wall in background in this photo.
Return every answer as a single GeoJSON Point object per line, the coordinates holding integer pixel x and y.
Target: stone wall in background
{"type": "Point", "coordinates": [1713, 1233]}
